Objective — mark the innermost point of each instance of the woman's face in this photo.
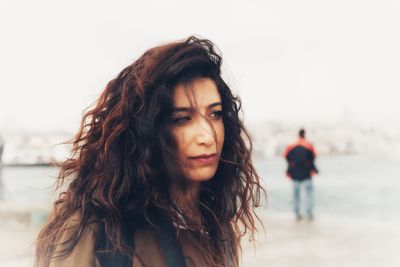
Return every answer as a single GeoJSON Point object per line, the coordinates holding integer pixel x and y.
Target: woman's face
{"type": "Point", "coordinates": [198, 128]}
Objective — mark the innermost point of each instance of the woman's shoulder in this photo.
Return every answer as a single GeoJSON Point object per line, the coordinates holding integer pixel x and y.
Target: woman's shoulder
{"type": "Point", "coordinates": [75, 222]}
{"type": "Point", "coordinates": [75, 243]}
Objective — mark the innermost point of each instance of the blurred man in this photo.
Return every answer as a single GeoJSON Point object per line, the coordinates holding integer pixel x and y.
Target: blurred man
{"type": "Point", "coordinates": [300, 157]}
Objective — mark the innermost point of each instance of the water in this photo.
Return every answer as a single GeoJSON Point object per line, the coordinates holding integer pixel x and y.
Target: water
{"type": "Point", "coordinates": [29, 185]}
{"type": "Point", "coordinates": [359, 187]}
{"type": "Point", "coordinates": [350, 187]}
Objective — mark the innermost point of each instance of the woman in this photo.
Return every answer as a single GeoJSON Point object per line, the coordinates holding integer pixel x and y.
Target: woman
{"type": "Point", "coordinates": [161, 170]}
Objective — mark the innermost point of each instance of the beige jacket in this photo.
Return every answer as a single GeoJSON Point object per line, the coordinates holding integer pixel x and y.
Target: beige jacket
{"type": "Point", "coordinates": [148, 253]}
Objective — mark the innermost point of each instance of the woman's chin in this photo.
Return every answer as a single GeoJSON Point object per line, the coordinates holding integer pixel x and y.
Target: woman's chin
{"type": "Point", "coordinates": [201, 176]}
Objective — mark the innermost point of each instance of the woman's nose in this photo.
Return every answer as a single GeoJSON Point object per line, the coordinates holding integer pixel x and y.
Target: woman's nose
{"type": "Point", "coordinates": [204, 133]}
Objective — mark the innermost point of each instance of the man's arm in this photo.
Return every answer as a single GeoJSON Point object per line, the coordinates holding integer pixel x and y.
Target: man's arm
{"type": "Point", "coordinates": [314, 169]}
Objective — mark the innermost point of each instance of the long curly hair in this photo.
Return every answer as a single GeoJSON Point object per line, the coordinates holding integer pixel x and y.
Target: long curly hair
{"type": "Point", "coordinates": [124, 154]}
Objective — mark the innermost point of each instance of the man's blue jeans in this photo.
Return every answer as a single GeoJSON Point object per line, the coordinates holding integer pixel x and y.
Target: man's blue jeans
{"type": "Point", "coordinates": [307, 187]}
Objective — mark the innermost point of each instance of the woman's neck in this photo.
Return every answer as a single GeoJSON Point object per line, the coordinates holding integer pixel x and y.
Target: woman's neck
{"type": "Point", "coordinates": [187, 201]}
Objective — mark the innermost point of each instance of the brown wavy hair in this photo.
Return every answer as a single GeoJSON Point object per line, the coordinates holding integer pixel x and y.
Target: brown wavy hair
{"type": "Point", "coordinates": [123, 156]}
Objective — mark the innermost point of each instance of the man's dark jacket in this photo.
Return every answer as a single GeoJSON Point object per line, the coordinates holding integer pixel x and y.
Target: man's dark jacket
{"type": "Point", "coordinates": [300, 157]}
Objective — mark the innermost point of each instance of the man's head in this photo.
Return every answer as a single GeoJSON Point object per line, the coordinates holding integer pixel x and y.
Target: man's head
{"type": "Point", "coordinates": [302, 133]}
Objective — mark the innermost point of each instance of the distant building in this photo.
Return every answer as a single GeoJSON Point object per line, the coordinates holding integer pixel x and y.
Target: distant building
{"type": "Point", "coordinates": [1, 169]}
{"type": "Point", "coordinates": [36, 149]}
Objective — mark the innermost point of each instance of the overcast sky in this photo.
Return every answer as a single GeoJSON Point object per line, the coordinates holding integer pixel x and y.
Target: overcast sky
{"type": "Point", "coordinates": [289, 60]}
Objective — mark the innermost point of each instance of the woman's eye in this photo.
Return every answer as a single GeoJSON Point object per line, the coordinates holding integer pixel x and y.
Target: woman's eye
{"type": "Point", "coordinates": [180, 120]}
{"type": "Point", "coordinates": [216, 114]}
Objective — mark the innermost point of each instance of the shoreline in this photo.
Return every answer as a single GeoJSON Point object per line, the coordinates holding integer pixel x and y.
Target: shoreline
{"type": "Point", "coordinates": [326, 241]}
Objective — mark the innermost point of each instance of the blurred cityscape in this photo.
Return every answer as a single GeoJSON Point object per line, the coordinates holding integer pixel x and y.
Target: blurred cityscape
{"type": "Point", "coordinates": [345, 138]}
{"type": "Point", "coordinates": [28, 148]}
{"type": "Point", "coordinates": [269, 140]}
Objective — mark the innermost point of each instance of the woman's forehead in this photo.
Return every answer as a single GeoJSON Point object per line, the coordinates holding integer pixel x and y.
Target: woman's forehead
{"type": "Point", "coordinates": [199, 93]}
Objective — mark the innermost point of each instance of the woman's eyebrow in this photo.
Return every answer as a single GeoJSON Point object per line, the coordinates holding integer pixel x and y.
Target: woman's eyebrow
{"type": "Point", "coordinates": [189, 109]}
{"type": "Point", "coordinates": [214, 104]}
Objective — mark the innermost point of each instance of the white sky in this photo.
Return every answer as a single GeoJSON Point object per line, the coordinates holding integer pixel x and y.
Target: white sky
{"type": "Point", "coordinates": [289, 60]}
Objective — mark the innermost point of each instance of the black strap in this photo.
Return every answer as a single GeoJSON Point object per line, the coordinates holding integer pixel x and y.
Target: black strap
{"type": "Point", "coordinates": [169, 245]}
{"type": "Point", "coordinates": [226, 244]}
{"type": "Point", "coordinates": [230, 244]}
{"type": "Point", "coordinates": [112, 257]}
{"type": "Point", "coordinates": [166, 238]}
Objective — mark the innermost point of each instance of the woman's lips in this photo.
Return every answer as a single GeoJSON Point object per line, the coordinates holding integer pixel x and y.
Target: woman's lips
{"type": "Point", "coordinates": [205, 159]}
